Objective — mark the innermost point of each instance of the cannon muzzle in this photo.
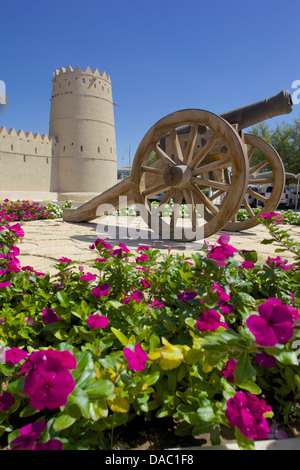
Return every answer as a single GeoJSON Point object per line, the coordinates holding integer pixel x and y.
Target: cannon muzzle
{"type": "Point", "coordinates": [257, 112]}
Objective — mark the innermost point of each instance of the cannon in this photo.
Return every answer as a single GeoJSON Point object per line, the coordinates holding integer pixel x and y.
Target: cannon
{"type": "Point", "coordinates": [205, 161]}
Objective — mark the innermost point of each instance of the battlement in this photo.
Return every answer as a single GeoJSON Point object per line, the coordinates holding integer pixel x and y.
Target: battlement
{"type": "Point", "coordinates": [95, 73]}
{"type": "Point", "coordinates": [21, 135]}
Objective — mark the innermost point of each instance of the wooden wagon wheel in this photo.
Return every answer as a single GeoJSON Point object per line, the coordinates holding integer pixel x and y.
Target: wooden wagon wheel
{"type": "Point", "coordinates": [275, 177]}
{"type": "Point", "coordinates": [185, 161]}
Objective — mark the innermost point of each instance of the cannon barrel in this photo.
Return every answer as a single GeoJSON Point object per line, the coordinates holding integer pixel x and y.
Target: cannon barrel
{"type": "Point", "coordinates": [252, 114]}
{"type": "Point", "coordinates": [260, 111]}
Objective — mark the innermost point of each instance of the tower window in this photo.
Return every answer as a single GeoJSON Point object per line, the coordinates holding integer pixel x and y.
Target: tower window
{"type": "Point", "coordinates": [11, 147]}
{"type": "Point", "coordinates": [98, 149]}
{"type": "Point", "coordinates": [81, 148]}
{"type": "Point", "coordinates": [83, 80]}
{"type": "Point", "coordinates": [64, 148]}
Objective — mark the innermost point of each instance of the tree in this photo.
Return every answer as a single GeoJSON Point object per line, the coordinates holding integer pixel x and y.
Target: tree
{"type": "Point", "coordinates": [285, 138]}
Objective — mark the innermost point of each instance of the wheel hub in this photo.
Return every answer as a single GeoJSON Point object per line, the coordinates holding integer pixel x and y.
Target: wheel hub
{"type": "Point", "coordinates": [178, 176]}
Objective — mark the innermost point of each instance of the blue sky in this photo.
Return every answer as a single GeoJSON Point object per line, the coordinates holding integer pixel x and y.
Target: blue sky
{"type": "Point", "coordinates": [162, 56]}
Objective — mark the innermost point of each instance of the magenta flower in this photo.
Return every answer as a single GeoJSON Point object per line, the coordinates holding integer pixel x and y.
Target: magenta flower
{"type": "Point", "coordinates": [5, 284]}
{"type": "Point", "coordinates": [225, 307]}
{"type": "Point", "coordinates": [49, 316]}
{"type": "Point", "coordinates": [101, 244]}
{"type": "Point", "coordinates": [97, 321]}
{"type": "Point", "coordinates": [221, 293]}
{"type": "Point", "coordinates": [145, 283]}
{"type": "Point", "coordinates": [143, 248]}
{"type": "Point", "coordinates": [222, 252]}
{"type": "Point", "coordinates": [156, 304]}
{"type": "Point", "coordinates": [17, 229]}
{"type": "Point", "coordinates": [186, 295]}
{"type": "Point", "coordinates": [88, 277]}
{"type": "Point", "coordinates": [136, 359]}
{"type": "Point", "coordinates": [266, 360]}
{"type": "Point", "coordinates": [246, 412]}
{"type": "Point", "coordinates": [124, 248]}
{"type": "Point", "coordinates": [48, 381]}
{"type": "Point", "coordinates": [64, 260]}
{"type": "Point", "coordinates": [210, 320]}
{"type": "Point", "coordinates": [14, 355]}
{"type": "Point", "coordinates": [100, 291]}
{"type": "Point", "coordinates": [6, 401]}
{"type": "Point", "coordinates": [247, 264]}
{"type": "Point", "coordinates": [273, 216]}
{"type": "Point", "coordinates": [28, 435]}
{"type": "Point", "coordinates": [228, 372]}
{"type": "Point", "coordinates": [141, 258]}
{"type": "Point", "coordinates": [52, 444]}
{"type": "Point", "coordinates": [136, 295]}
{"type": "Point", "coordinates": [274, 324]}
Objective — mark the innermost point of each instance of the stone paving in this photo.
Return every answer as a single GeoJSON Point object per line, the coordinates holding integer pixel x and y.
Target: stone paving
{"type": "Point", "coordinates": [45, 241]}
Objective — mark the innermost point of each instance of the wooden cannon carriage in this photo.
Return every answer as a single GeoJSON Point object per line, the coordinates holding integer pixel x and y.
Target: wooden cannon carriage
{"type": "Point", "coordinates": [204, 160]}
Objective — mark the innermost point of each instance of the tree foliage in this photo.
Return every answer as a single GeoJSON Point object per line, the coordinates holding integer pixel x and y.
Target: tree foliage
{"type": "Point", "coordinates": [285, 138]}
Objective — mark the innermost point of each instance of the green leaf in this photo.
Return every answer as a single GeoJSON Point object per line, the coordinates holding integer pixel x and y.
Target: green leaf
{"type": "Point", "coordinates": [63, 421]}
{"type": "Point", "coordinates": [206, 413]}
{"type": "Point", "coordinates": [244, 442]}
{"type": "Point", "coordinates": [101, 389]}
{"type": "Point", "coordinates": [63, 299]}
{"type": "Point", "coordinates": [80, 398]}
{"type": "Point", "coordinates": [244, 369]}
{"type": "Point", "coordinates": [251, 387]}
{"type": "Point", "coordinates": [121, 337]}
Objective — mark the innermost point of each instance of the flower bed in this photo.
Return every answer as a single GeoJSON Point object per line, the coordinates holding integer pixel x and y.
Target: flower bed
{"type": "Point", "coordinates": [205, 343]}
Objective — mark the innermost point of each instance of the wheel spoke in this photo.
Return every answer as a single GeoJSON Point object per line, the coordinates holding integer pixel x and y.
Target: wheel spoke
{"type": "Point", "coordinates": [176, 147]}
{"type": "Point", "coordinates": [262, 180]}
{"type": "Point", "coordinates": [210, 183]}
{"type": "Point", "coordinates": [248, 208]}
{"type": "Point", "coordinates": [156, 189]}
{"type": "Point", "coordinates": [176, 209]}
{"type": "Point", "coordinates": [204, 151]}
{"type": "Point", "coordinates": [191, 209]}
{"type": "Point", "coordinates": [159, 151]}
{"type": "Point", "coordinates": [204, 199]}
{"type": "Point", "coordinates": [257, 195]}
{"type": "Point", "coordinates": [190, 147]}
{"type": "Point", "coordinates": [152, 169]}
{"type": "Point", "coordinates": [259, 166]}
{"type": "Point", "coordinates": [216, 165]}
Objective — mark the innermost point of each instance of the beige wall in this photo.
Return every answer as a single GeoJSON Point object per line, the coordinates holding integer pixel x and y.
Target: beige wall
{"type": "Point", "coordinates": [80, 154]}
{"type": "Point", "coordinates": [26, 162]}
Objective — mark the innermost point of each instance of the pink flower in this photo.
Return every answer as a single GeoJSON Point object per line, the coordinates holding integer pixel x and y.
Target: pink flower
{"type": "Point", "coordinates": [64, 260]}
{"type": "Point", "coordinates": [274, 324]}
{"type": "Point", "coordinates": [145, 283]}
{"type": "Point", "coordinates": [143, 248]}
{"type": "Point", "coordinates": [97, 321]}
{"type": "Point", "coordinates": [48, 381]}
{"type": "Point", "coordinates": [266, 360]}
{"type": "Point", "coordinates": [5, 284]}
{"type": "Point", "coordinates": [124, 248]}
{"type": "Point", "coordinates": [210, 320]}
{"type": "Point", "coordinates": [28, 435]}
{"type": "Point", "coordinates": [228, 372]}
{"type": "Point", "coordinates": [246, 412]}
{"type": "Point", "coordinates": [247, 264]}
{"type": "Point", "coordinates": [186, 295]}
{"type": "Point", "coordinates": [49, 316]}
{"type": "Point", "coordinates": [6, 401]}
{"type": "Point", "coordinates": [136, 359]}
{"type": "Point", "coordinates": [273, 216]}
{"type": "Point", "coordinates": [141, 258]}
{"type": "Point", "coordinates": [222, 252]}
{"type": "Point", "coordinates": [101, 244]}
{"type": "Point", "coordinates": [17, 229]}
{"type": "Point", "coordinates": [88, 277]}
{"type": "Point", "coordinates": [278, 262]}
{"type": "Point", "coordinates": [52, 444]}
{"type": "Point", "coordinates": [14, 355]}
{"type": "Point", "coordinates": [221, 293]}
{"type": "Point", "coordinates": [136, 295]}
{"type": "Point", "coordinates": [100, 291]}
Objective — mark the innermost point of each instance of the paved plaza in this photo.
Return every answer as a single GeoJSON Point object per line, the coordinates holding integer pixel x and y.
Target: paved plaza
{"type": "Point", "coordinates": [46, 241]}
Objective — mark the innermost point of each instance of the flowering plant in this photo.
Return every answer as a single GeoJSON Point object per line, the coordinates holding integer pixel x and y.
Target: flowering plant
{"type": "Point", "coordinates": [206, 341]}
